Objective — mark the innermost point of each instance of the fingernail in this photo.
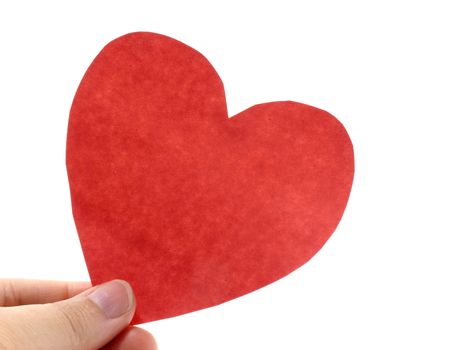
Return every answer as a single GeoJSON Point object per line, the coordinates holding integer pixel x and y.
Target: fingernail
{"type": "Point", "coordinates": [114, 298]}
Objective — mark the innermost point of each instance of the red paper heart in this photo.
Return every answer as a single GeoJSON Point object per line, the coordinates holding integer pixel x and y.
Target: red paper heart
{"type": "Point", "coordinates": [189, 206]}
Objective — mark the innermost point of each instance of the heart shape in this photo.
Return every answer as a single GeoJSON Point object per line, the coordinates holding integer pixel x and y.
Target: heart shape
{"type": "Point", "coordinates": [191, 207]}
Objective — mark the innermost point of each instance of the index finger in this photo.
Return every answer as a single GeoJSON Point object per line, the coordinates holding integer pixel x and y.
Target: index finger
{"type": "Point", "coordinates": [15, 292]}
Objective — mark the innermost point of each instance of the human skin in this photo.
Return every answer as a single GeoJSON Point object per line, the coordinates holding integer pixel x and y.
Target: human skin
{"type": "Point", "coordinates": [69, 315]}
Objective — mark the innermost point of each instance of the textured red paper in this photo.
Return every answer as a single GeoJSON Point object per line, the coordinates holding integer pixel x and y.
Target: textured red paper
{"type": "Point", "coordinates": [189, 206]}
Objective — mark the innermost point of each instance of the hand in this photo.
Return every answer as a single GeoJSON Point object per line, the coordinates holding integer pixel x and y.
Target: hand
{"type": "Point", "coordinates": [69, 316]}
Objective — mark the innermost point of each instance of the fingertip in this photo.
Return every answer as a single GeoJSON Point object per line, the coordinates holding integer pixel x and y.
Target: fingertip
{"type": "Point", "coordinates": [115, 299]}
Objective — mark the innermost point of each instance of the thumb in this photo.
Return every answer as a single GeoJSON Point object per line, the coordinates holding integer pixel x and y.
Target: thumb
{"type": "Point", "coordinates": [87, 321]}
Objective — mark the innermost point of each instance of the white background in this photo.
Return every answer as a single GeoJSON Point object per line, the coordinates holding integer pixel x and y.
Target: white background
{"type": "Point", "coordinates": [394, 274]}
